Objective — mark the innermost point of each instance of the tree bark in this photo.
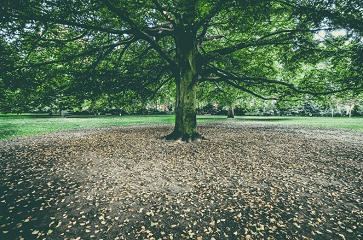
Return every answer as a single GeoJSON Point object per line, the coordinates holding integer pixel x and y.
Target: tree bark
{"type": "Point", "coordinates": [186, 77]}
{"type": "Point", "coordinates": [351, 106]}
{"type": "Point", "coordinates": [230, 112]}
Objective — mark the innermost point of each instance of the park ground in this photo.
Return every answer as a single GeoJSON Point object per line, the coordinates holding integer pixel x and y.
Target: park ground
{"type": "Point", "coordinates": [12, 125]}
{"type": "Point", "coordinates": [253, 178]}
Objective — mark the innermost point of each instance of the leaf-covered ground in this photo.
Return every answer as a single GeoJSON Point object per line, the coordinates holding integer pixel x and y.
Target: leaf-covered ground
{"type": "Point", "coordinates": [246, 182]}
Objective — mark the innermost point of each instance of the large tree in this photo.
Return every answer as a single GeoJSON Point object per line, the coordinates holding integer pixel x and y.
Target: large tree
{"type": "Point", "coordinates": [113, 45]}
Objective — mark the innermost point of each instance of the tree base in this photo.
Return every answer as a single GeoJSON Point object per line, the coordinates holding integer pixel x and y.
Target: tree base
{"type": "Point", "coordinates": [179, 137]}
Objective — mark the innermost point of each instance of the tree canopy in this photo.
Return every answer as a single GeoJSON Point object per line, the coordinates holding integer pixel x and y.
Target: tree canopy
{"type": "Point", "coordinates": [272, 49]}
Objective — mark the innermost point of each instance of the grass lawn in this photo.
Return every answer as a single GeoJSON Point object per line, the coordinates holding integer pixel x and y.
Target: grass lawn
{"type": "Point", "coordinates": [353, 123]}
{"type": "Point", "coordinates": [18, 125]}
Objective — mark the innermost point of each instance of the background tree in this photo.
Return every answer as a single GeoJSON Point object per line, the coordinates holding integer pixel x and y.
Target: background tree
{"type": "Point", "coordinates": [141, 45]}
{"type": "Point", "coordinates": [224, 95]}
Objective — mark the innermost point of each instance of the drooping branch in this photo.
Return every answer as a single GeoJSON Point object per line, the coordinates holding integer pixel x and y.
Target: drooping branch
{"type": "Point", "coordinates": [292, 87]}
{"type": "Point", "coordinates": [240, 46]}
{"type": "Point", "coordinates": [262, 41]}
{"type": "Point", "coordinates": [336, 13]}
{"type": "Point", "coordinates": [124, 51]}
{"type": "Point", "coordinates": [153, 94]}
{"type": "Point", "coordinates": [46, 20]}
{"type": "Point", "coordinates": [34, 45]}
{"type": "Point", "coordinates": [228, 76]}
{"type": "Point", "coordinates": [220, 88]}
{"type": "Point", "coordinates": [138, 32]}
{"type": "Point", "coordinates": [247, 90]}
{"type": "Point", "coordinates": [144, 53]}
{"type": "Point", "coordinates": [85, 53]}
{"type": "Point", "coordinates": [101, 57]}
{"type": "Point", "coordinates": [212, 38]}
{"type": "Point", "coordinates": [120, 13]}
{"type": "Point", "coordinates": [235, 85]}
{"type": "Point", "coordinates": [156, 46]}
{"type": "Point", "coordinates": [66, 40]}
{"type": "Point", "coordinates": [295, 31]}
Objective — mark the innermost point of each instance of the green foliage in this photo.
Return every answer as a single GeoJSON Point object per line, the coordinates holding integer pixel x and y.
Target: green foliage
{"type": "Point", "coordinates": [59, 54]}
{"type": "Point", "coordinates": [357, 111]}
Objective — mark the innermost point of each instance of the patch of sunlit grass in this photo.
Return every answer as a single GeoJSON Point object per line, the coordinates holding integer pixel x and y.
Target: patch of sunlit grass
{"type": "Point", "coordinates": [353, 123]}
{"type": "Point", "coordinates": [19, 125]}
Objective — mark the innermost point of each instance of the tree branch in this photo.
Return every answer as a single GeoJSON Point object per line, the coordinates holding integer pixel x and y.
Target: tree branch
{"type": "Point", "coordinates": [212, 37]}
{"type": "Point", "coordinates": [204, 31]}
{"type": "Point", "coordinates": [34, 45]}
{"type": "Point", "coordinates": [139, 33]}
{"type": "Point", "coordinates": [120, 13]}
{"type": "Point", "coordinates": [66, 40]}
{"type": "Point", "coordinates": [72, 57]}
{"type": "Point", "coordinates": [164, 13]}
{"type": "Point", "coordinates": [240, 46]}
{"type": "Point", "coordinates": [225, 79]}
{"type": "Point", "coordinates": [215, 10]}
{"type": "Point", "coordinates": [153, 94]}
{"type": "Point", "coordinates": [46, 19]}
{"type": "Point", "coordinates": [295, 31]}
{"type": "Point", "coordinates": [292, 87]}
{"type": "Point", "coordinates": [159, 32]}
{"type": "Point", "coordinates": [100, 58]}
{"type": "Point", "coordinates": [124, 50]}
{"type": "Point", "coordinates": [226, 76]}
{"type": "Point", "coordinates": [248, 91]}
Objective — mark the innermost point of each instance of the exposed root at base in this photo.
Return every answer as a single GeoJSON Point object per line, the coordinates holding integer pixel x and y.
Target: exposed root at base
{"type": "Point", "coordinates": [178, 137]}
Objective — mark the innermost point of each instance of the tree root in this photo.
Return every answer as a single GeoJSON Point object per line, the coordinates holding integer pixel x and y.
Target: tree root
{"type": "Point", "coordinates": [178, 137]}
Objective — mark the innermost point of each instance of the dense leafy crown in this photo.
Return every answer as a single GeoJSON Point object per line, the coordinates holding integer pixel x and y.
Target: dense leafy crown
{"type": "Point", "coordinates": [268, 48]}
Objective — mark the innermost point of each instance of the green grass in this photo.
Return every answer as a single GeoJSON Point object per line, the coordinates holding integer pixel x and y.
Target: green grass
{"type": "Point", "coordinates": [353, 123]}
{"type": "Point", "coordinates": [20, 125]}
{"type": "Point", "coordinates": [14, 125]}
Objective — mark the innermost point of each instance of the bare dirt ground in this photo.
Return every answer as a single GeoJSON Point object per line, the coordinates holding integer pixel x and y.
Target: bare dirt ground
{"type": "Point", "coordinates": [245, 182]}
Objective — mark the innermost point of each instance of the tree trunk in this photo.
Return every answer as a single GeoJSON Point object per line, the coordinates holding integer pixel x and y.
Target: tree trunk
{"type": "Point", "coordinates": [186, 77]}
{"type": "Point", "coordinates": [62, 112]}
{"type": "Point", "coordinates": [185, 114]}
{"type": "Point", "coordinates": [351, 106]}
{"type": "Point", "coordinates": [230, 112]}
